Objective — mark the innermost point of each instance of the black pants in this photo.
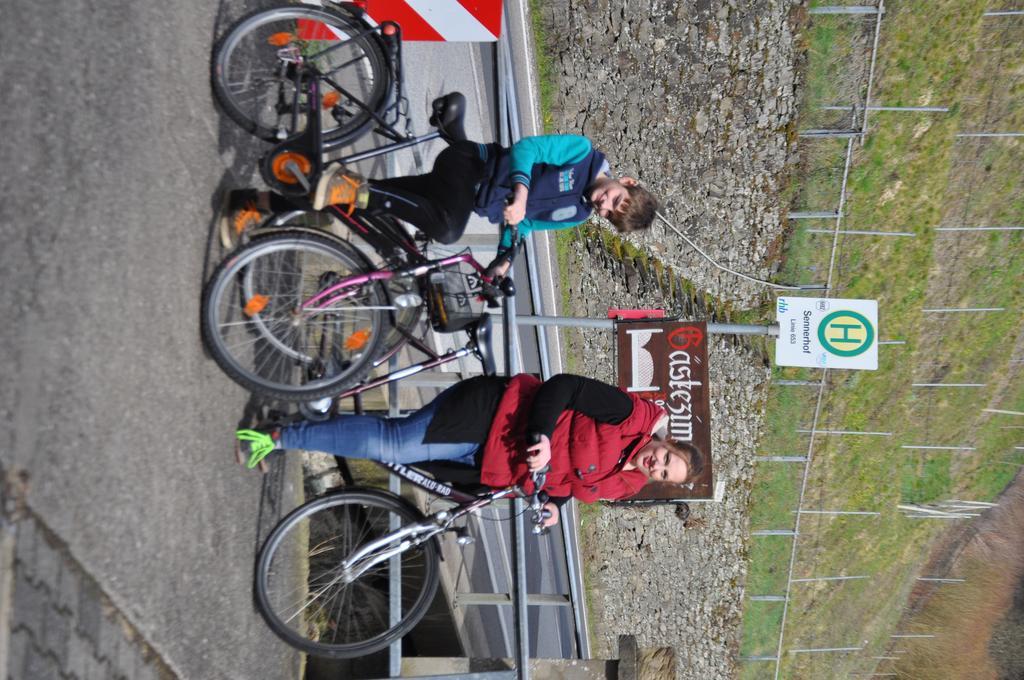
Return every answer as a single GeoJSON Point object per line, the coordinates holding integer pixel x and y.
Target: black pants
{"type": "Point", "coordinates": [437, 203]}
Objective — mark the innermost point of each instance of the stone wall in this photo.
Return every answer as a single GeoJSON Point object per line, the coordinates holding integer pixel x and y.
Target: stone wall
{"type": "Point", "coordinates": [650, 574]}
{"type": "Point", "coordinates": [698, 99]}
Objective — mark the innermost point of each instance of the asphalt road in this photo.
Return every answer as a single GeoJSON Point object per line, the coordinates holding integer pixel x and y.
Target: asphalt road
{"type": "Point", "coordinates": [114, 159]}
{"type": "Point", "coordinates": [114, 162]}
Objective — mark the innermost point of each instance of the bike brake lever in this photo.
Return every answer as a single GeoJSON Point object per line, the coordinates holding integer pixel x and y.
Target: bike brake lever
{"type": "Point", "coordinates": [490, 294]}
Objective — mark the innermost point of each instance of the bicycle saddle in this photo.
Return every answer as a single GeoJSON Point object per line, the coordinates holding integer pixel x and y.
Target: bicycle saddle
{"type": "Point", "coordinates": [480, 334]}
{"type": "Point", "coordinates": [447, 114]}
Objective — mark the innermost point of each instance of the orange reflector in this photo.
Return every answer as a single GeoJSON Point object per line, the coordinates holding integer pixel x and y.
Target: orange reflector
{"type": "Point", "coordinates": [330, 100]}
{"type": "Point", "coordinates": [281, 39]}
{"type": "Point", "coordinates": [256, 304]}
{"type": "Point", "coordinates": [358, 339]}
{"type": "Point", "coordinates": [279, 166]}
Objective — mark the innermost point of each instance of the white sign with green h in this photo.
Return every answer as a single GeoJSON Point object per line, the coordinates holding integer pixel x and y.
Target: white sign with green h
{"type": "Point", "coordinates": [827, 333]}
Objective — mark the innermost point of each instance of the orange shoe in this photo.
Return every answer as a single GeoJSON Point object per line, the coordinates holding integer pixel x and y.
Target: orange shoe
{"type": "Point", "coordinates": [238, 215]}
{"type": "Point", "coordinates": [345, 189]}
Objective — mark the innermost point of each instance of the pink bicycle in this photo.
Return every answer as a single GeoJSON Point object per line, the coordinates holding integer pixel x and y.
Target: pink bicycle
{"type": "Point", "coordinates": [301, 315]}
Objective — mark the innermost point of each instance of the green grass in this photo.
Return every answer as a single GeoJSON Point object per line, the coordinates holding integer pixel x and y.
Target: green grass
{"type": "Point", "coordinates": [546, 81]}
{"type": "Point", "coordinates": [563, 252]}
{"type": "Point", "coordinates": [912, 174]}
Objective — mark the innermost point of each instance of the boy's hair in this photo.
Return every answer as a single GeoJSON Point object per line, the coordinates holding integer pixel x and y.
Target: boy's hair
{"type": "Point", "coordinates": [637, 211]}
{"type": "Point", "coordinates": [689, 453]}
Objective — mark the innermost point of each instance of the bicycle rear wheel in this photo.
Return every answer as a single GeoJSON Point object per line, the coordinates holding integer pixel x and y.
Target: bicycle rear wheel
{"type": "Point", "coordinates": [308, 599]}
{"type": "Point", "coordinates": [259, 332]}
{"type": "Point", "coordinates": [254, 72]}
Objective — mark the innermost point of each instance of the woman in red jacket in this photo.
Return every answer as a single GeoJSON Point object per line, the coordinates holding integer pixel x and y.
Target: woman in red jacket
{"type": "Point", "coordinates": [597, 439]}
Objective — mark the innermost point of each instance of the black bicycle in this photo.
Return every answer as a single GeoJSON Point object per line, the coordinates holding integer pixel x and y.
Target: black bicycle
{"type": "Point", "coordinates": [259, 65]}
{"type": "Point", "coordinates": [306, 309]}
{"type": "Point", "coordinates": [312, 80]}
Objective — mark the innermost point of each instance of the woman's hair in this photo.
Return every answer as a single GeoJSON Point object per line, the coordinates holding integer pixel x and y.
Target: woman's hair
{"type": "Point", "coordinates": [689, 453]}
{"type": "Point", "coordinates": [636, 212]}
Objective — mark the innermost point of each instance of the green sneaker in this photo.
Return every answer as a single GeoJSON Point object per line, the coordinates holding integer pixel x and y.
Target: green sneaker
{"type": "Point", "coordinates": [252, 446]}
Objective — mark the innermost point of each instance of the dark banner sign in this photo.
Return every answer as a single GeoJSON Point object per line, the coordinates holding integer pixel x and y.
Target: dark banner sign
{"type": "Point", "coordinates": [667, 362]}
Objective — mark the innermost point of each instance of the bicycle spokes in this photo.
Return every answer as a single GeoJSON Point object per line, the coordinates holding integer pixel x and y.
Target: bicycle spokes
{"type": "Point", "coordinates": [262, 330]}
{"type": "Point", "coordinates": [324, 577]}
{"type": "Point", "coordinates": [262, 67]}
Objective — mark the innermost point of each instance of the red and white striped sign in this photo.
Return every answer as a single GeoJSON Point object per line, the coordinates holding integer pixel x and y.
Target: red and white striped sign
{"type": "Point", "coordinates": [440, 20]}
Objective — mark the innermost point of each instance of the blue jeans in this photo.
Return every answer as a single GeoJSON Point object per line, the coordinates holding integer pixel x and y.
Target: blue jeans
{"type": "Point", "coordinates": [388, 440]}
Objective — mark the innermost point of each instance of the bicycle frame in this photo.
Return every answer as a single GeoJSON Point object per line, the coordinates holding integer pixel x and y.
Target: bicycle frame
{"type": "Point", "coordinates": [322, 303]}
{"type": "Point", "coordinates": [414, 271]}
{"type": "Point", "coordinates": [310, 143]}
{"type": "Point", "coordinates": [377, 551]}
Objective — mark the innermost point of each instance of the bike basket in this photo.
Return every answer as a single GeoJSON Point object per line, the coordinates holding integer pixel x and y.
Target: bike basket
{"type": "Point", "coordinates": [453, 297]}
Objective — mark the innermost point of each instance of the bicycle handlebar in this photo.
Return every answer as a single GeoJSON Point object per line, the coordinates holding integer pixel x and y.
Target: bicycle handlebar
{"type": "Point", "coordinates": [539, 497]}
{"type": "Point", "coordinates": [502, 286]}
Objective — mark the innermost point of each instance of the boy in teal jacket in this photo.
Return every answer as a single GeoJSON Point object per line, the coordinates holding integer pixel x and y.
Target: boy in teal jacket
{"type": "Point", "coordinates": [544, 182]}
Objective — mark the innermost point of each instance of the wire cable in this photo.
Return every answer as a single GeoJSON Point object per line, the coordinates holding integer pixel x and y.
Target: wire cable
{"type": "Point", "coordinates": [707, 257]}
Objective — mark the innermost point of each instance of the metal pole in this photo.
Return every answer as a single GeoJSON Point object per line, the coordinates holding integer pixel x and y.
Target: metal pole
{"type": "Point", "coordinates": [979, 229]}
{"type": "Point", "coordinates": [828, 578]}
{"type": "Point", "coordinates": [522, 625]}
{"type": "Point", "coordinates": [991, 134]}
{"type": "Point", "coordinates": [940, 448]}
{"type": "Point", "coordinates": [836, 512]}
{"type": "Point", "coordinates": [815, 650]}
{"type": "Point", "coordinates": [522, 650]}
{"type": "Point", "coordinates": [844, 9]}
{"type": "Point", "coordinates": [829, 134]}
{"type": "Point", "coordinates": [504, 600]}
{"type": "Point", "coordinates": [871, 73]}
{"type": "Point", "coordinates": [396, 146]}
{"type": "Point", "coordinates": [941, 580]}
{"type": "Point", "coordinates": [911, 635]}
{"type": "Point", "coordinates": [860, 232]}
{"type": "Point", "coordinates": [872, 434]}
{"type": "Point", "coordinates": [395, 563]}
{"type": "Point", "coordinates": [812, 215]}
{"type": "Point", "coordinates": [608, 324]}
{"type": "Point", "coordinates": [920, 109]}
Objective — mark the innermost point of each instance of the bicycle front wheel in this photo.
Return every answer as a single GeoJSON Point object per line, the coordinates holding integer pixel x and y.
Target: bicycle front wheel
{"type": "Point", "coordinates": [309, 598]}
{"type": "Point", "coordinates": [261, 329]}
{"type": "Point", "coordinates": [255, 70]}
